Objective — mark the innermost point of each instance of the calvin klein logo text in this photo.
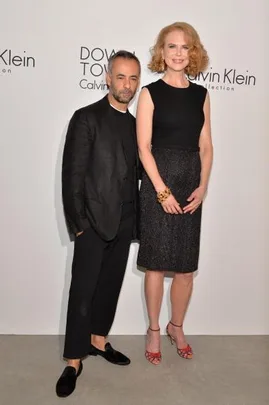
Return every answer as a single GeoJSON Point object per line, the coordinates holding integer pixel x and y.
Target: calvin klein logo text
{"type": "Point", "coordinates": [227, 77]}
{"type": "Point", "coordinates": [9, 59]}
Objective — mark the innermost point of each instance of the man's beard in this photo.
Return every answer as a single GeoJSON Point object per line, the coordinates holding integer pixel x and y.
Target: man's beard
{"type": "Point", "coordinates": [121, 97]}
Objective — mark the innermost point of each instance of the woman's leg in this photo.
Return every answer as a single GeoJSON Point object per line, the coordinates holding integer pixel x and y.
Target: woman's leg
{"type": "Point", "coordinates": [154, 296]}
{"type": "Point", "coordinates": [181, 290]}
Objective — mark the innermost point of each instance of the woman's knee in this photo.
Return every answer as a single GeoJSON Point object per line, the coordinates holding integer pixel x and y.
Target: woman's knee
{"type": "Point", "coordinates": [184, 278]}
{"type": "Point", "coordinates": [155, 273]}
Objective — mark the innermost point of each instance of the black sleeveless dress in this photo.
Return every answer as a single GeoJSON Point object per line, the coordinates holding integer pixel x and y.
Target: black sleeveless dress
{"type": "Point", "coordinates": [171, 242]}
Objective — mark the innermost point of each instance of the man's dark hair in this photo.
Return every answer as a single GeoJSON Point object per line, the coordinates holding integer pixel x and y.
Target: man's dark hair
{"type": "Point", "coordinates": [122, 54]}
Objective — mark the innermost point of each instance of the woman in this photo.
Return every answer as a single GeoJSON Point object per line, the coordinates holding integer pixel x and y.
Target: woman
{"type": "Point", "coordinates": [175, 148]}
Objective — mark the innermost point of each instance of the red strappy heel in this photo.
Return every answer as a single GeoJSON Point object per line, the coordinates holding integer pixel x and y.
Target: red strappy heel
{"type": "Point", "coordinates": [186, 352]}
{"type": "Point", "coordinates": [150, 356]}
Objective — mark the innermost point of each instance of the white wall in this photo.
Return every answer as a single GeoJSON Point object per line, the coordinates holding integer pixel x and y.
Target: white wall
{"type": "Point", "coordinates": [36, 103]}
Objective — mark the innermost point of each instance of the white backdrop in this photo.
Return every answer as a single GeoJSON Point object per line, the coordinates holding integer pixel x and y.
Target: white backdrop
{"type": "Point", "coordinates": [40, 87]}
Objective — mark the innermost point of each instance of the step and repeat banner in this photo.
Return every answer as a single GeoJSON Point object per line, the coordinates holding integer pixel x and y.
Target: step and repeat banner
{"type": "Point", "coordinates": [53, 60]}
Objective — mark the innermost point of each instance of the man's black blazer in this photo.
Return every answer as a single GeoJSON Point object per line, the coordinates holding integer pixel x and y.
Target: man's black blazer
{"type": "Point", "coordinates": [93, 171]}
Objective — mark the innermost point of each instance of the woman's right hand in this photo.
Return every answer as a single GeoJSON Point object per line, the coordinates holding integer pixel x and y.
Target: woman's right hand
{"type": "Point", "coordinates": [171, 206]}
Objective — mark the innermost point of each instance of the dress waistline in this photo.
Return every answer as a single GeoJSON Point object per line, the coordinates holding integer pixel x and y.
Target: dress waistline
{"type": "Point", "coordinates": [176, 147]}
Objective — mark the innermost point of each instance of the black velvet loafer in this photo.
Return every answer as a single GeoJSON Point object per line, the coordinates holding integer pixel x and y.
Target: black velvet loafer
{"type": "Point", "coordinates": [110, 354]}
{"type": "Point", "coordinates": [67, 382]}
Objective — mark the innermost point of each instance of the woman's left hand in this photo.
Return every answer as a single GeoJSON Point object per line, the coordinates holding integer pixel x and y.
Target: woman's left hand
{"type": "Point", "coordinates": [196, 199]}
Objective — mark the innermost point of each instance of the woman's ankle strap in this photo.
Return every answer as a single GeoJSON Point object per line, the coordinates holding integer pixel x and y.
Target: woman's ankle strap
{"type": "Point", "coordinates": [177, 326]}
{"type": "Point", "coordinates": [154, 330]}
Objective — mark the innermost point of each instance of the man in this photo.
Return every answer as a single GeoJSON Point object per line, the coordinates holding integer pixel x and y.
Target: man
{"type": "Point", "coordinates": [100, 197]}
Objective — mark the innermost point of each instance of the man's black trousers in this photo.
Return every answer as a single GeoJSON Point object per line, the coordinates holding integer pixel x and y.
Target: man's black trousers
{"type": "Point", "coordinates": [97, 274]}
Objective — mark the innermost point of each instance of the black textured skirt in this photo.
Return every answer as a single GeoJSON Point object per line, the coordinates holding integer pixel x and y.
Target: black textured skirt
{"type": "Point", "coordinates": [170, 242]}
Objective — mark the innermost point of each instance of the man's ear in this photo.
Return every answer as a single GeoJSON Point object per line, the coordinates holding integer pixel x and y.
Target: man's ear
{"type": "Point", "coordinates": [108, 79]}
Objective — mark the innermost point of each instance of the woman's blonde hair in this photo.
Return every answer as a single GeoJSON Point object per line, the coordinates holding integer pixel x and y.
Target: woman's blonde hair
{"type": "Point", "coordinates": [198, 58]}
